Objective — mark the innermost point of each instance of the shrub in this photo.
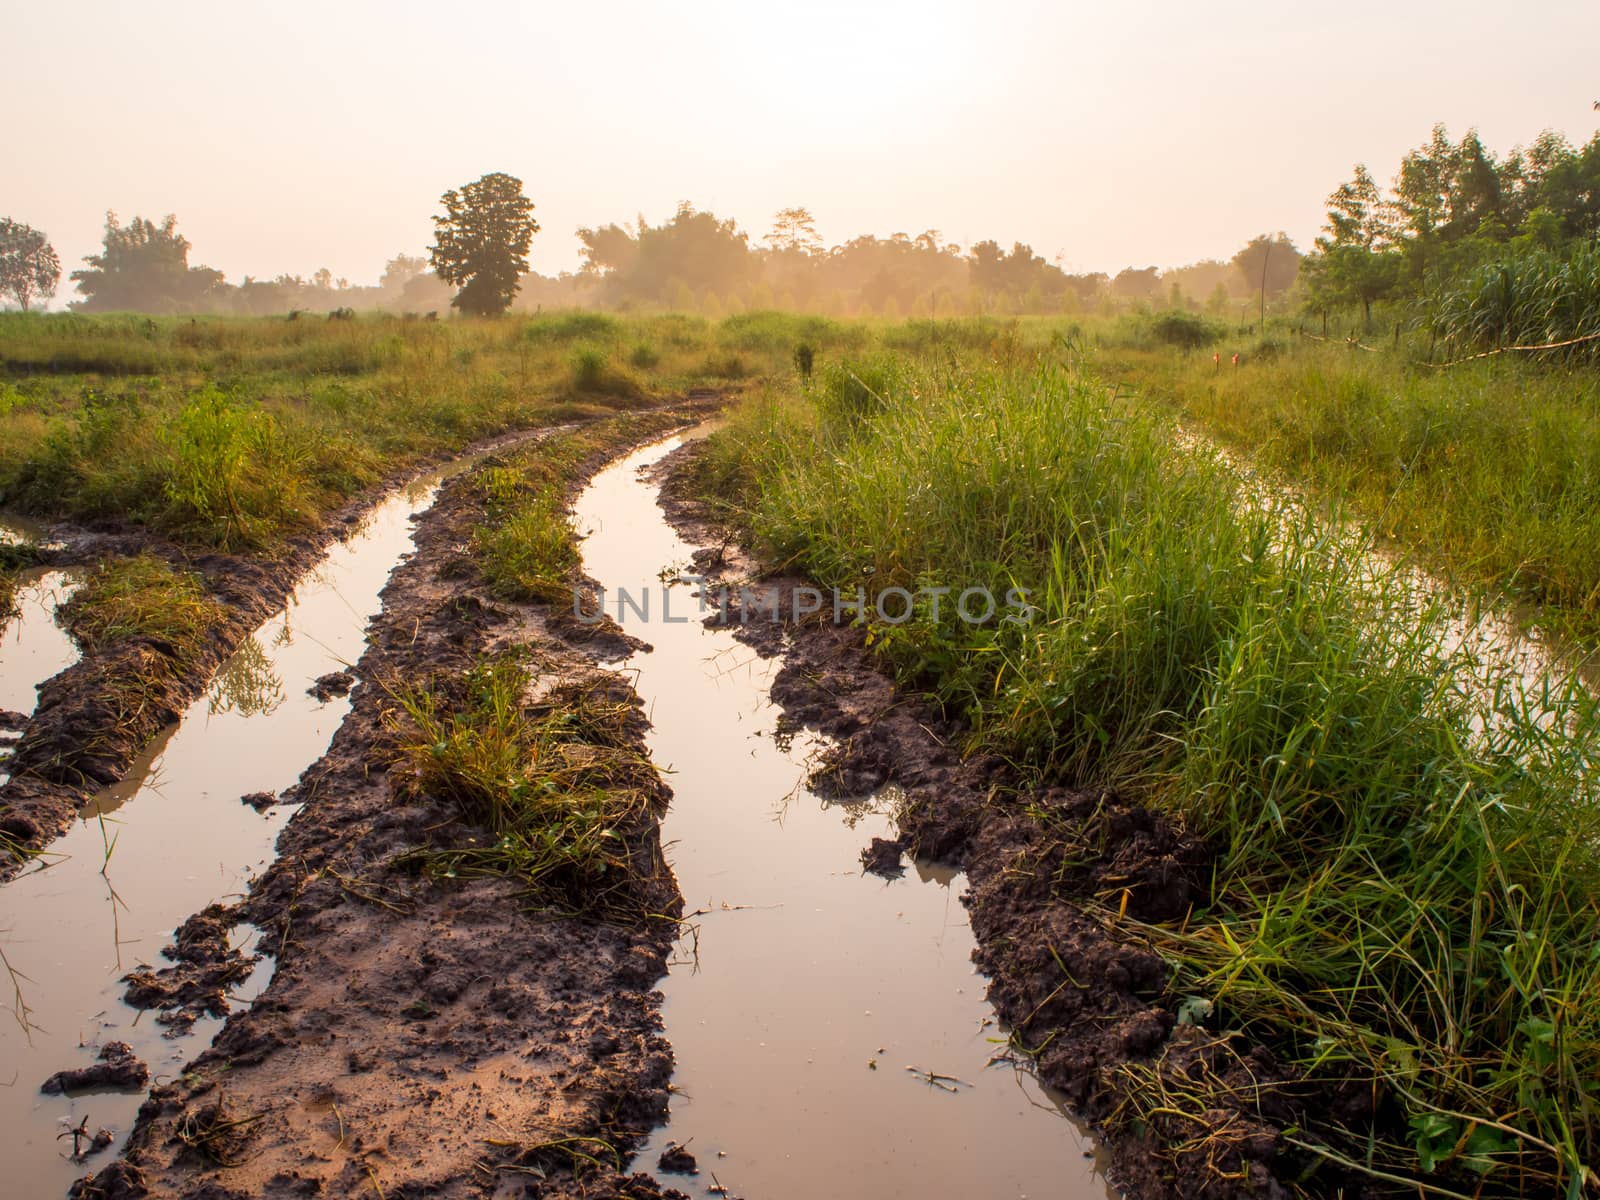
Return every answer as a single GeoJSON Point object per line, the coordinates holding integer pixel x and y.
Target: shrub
{"type": "Point", "coordinates": [1186, 330]}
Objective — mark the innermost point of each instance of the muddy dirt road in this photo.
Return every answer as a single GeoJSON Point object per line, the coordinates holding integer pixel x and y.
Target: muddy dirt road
{"type": "Point", "coordinates": [809, 1027]}
{"type": "Point", "coordinates": [829, 1027]}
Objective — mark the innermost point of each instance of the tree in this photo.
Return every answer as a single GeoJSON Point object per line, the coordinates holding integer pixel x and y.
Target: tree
{"type": "Point", "coordinates": [1272, 259]}
{"type": "Point", "coordinates": [1357, 261]}
{"type": "Point", "coordinates": [794, 230]}
{"type": "Point", "coordinates": [482, 242]}
{"type": "Point", "coordinates": [651, 264]}
{"type": "Point", "coordinates": [29, 267]}
{"type": "Point", "coordinates": [1137, 283]}
{"type": "Point", "coordinates": [144, 267]}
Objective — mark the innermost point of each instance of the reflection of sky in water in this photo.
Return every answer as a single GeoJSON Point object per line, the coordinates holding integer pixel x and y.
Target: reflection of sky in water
{"type": "Point", "coordinates": [32, 646]}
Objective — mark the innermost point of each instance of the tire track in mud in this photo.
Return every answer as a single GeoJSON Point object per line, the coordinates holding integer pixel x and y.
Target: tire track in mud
{"type": "Point", "coordinates": [84, 734]}
{"type": "Point", "coordinates": [422, 1038]}
{"type": "Point", "coordinates": [81, 735]}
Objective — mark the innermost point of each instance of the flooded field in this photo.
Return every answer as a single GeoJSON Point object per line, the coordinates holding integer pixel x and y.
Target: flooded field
{"type": "Point", "coordinates": [830, 1032]}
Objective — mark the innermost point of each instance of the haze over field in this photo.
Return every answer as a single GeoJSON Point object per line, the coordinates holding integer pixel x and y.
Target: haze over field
{"type": "Point", "coordinates": [303, 136]}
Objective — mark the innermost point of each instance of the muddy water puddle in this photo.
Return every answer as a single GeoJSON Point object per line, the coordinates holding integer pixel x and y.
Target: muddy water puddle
{"type": "Point", "coordinates": [159, 847]}
{"type": "Point", "coordinates": [808, 1003]}
{"type": "Point", "coordinates": [32, 646]}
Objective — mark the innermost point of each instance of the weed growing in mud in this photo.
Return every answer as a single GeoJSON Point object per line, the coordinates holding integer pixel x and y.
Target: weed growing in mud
{"type": "Point", "coordinates": [558, 783]}
{"type": "Point", "coordinates": [213, 1134]}
{"type": "Point", "coordinates": [526, 547]}
{"type": "Point", "coordinates": [1406, 877]}
{"type": "Point", "coordinates": [140, 597]}
{"type": "Point", "coordinates": [573, 1154]}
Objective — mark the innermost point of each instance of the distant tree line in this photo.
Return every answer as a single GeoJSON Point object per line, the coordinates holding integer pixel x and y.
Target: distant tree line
{"type": "Point", "coordinates": [1452, 208]}
{"type": "Point", "coordinates": [695, 261]}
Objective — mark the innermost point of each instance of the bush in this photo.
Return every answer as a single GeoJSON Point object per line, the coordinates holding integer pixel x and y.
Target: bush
{"type": "Point", "coordinates": [1529, 299]}
{"type": "Point", "coordinates": [579, 324]}
{"type": "Point", "coordinates": [1186, 330]}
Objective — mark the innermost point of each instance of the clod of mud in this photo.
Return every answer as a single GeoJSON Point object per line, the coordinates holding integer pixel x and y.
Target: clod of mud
{"type": "Point", "coordinates": [885, 857]}
{"type": "Point", "coordinates": [676, 1160]}
{"type": "Point", "coordinates": [117, 1067]}
{"type": "Point", "coordinates": [206, 964]}
{"type": "Point", "coordinates": [121, 1180]}
{"type": "Point", "coordinates": [331, 685]}
{"type": "Point", "coordinates": [13, 721]}
{"type": "Point", "coordinates": [260, 801]}
{"type": "Point", "coordinates": [853, 768]}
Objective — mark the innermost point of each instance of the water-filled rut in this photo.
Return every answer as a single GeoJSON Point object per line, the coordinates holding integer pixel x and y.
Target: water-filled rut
{"type": "Point", "coordinates": [808, 1002]}
{"type": "Point", "coordinates": [165, 843]}
{"type": "Point", "coordinates": [32, 646]}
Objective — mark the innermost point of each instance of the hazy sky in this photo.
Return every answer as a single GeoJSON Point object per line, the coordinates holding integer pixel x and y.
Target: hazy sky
{"type": "Point", "coordinates": [289, 136]}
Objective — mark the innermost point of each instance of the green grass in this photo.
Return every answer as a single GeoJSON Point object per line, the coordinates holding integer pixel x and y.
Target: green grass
{"type": "Point", "coordinates": [525, 546]}
{"type": "Point", "coordinates": [144, 598]}
{"type": "Point", "coordinates": [1406, 882]}
{"type": "Point", "coordinates": [1489, 472]}
{"type": "Point", "coordinates": [1532, 298]}
{"type": "Point", "coordinates": [240, 433]}
{"type": "Point", "coordinates": [559, 785]}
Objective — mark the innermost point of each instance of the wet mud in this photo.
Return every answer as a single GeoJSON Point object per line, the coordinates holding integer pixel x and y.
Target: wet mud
{"type": "Point", "coordinates": [1085, 999]}
{"type": "Point", "coordinates": [418, 1037]}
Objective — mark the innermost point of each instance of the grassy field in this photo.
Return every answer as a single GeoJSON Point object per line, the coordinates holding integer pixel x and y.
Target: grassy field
{"type": "Point", "coordinates": [1488, 471]}
{"type": "Point", "coordinates": [235, 433]}
{"type": "Point", "coordinates": [1406, 878]}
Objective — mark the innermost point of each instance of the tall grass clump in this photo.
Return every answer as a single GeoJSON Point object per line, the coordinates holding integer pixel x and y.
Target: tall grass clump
{"type": "Point", "coordinates": [1533, 298]}
{"type": "Point", "coordinates": [1405, 888]}
{"type": "Point", "coordinates": [140, 597]}
{"type": "Point", "coordinates": [559, 784]}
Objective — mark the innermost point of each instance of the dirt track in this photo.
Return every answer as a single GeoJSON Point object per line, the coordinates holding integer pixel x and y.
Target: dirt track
{"type": "Point", "coordinates": [82, 736]}
{"type": "Point", "coordinates": [418, 1038]}
{"type": "Point", "coordinates": [423, 1039]}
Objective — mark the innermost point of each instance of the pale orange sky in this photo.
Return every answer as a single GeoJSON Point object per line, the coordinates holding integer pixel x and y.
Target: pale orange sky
{"type": "Point", "coordinates": [290, 136]}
